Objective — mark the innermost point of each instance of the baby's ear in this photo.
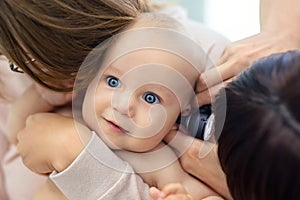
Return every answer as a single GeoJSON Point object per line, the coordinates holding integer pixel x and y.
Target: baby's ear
{"type": "Point", "coordinates": [187, 110]}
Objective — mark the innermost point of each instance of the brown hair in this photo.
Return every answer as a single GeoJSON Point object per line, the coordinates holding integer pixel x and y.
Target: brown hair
{"type": "Point", "coordinates": [59, 34]}
{"type": "Point", "coordinates": [259, 143]}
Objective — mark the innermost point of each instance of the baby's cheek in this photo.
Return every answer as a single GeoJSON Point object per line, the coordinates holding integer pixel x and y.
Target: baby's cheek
{"type": "Point", "coordinates": [151, 122]}
{"type": "Point", "coordinates": [153, 116]}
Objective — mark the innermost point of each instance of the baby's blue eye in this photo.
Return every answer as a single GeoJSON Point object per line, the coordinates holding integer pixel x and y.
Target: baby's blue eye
{"type": "Point", "coordinates": [151, 98]}
{"type": "Point", "coordinates": [113, 81]}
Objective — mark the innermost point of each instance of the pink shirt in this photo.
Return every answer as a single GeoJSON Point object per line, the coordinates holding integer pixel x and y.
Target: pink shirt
{"type": "Point", "coordinates": [14, 176]}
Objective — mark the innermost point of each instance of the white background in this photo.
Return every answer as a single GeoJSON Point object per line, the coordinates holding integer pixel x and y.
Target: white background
{"type": "Point", "coordinates": [235, 19]}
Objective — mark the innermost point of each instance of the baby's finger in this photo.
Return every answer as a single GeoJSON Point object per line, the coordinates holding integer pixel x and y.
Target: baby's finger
{"type": "Point", "coordinates": [179, 197]}
{"type": "Point", "coordinates": [156, 194]}
{"type": "Point", "coordinates": [175, 191]}
{"type": "Point", "coordinates": [174, 188]}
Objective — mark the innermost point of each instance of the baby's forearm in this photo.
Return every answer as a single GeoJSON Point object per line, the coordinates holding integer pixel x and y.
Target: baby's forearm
{"type": "Point", "coordinates": [29, 103]}
{"type": "Point", "coordinates": [49, 191]}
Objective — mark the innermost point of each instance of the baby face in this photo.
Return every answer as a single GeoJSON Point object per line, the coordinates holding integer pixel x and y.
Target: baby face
{"type": "Point", "coordinates": [136, 100]}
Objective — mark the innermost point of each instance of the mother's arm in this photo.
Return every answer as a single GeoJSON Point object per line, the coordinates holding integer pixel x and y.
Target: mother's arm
{"type": "Point", "coordinates": [280, 32]}
{"type": "Point", "coordinates": [201, 160]}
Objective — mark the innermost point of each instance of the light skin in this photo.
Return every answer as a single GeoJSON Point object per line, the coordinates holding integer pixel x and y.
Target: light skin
{"type": "Point", "coordinates": [49, 191]}
{"type": "Point", "coordinates": [141, 105]}
{"type": "Point", "coordinates": [133, 111]}
{"type": "Point", "coordinates": [35, 158]}
{"type": "Point", "coordinates": [19, 112]}
{"type": "Point", "coordinates": [175, 191]}
{"type": "Point", "coordinates": [128, 110]}
{"type": "Point", "coordinates": [280, 31]}
{"type": "Point", "coordinates": [274, 37]}
{"type": "Point", "coordinates": [211, 170]}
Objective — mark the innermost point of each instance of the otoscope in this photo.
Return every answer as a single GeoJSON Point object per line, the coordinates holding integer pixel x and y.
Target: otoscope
{"type": "Point", "coordinates": [197, 122]}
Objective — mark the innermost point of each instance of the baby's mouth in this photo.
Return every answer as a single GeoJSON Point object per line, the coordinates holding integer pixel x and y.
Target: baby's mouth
{"type": "Point", "coordinates": [117, 126]}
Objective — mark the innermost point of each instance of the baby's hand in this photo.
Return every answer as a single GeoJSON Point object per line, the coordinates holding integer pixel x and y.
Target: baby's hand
{"type": "Point", "coordinates": [51, 142]}
{"type": "Point", "coordinates": [175, 191]}
{"type": "Point", "coordinates": [172, 191]}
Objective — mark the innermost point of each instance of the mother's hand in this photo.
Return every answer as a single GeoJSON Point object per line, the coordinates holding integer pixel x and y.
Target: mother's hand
{"type": "Point", "coordinates": [200, 159]}
{"type": "Point", "coordinates": [239, 55]}
{"type": "Point", "coordinates": [51, 142]}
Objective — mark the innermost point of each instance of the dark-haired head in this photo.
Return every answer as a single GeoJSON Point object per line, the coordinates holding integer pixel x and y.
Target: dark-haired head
{"type": "Point", "coordinates": [259, 143]}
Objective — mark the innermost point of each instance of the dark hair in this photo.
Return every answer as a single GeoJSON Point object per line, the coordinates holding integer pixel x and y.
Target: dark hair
{"type": "Point", "coordinates": [259, 145]}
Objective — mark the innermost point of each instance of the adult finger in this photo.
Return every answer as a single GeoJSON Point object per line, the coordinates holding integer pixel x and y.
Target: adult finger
{"type": "Point", "coordinates": [218, 74]}
{"type": "Point", "coordinates": [207, 96]}
{"type": "Point", "coordinates": [224, 58]}
{"type": "Point", "coordinates": [235, 49]}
